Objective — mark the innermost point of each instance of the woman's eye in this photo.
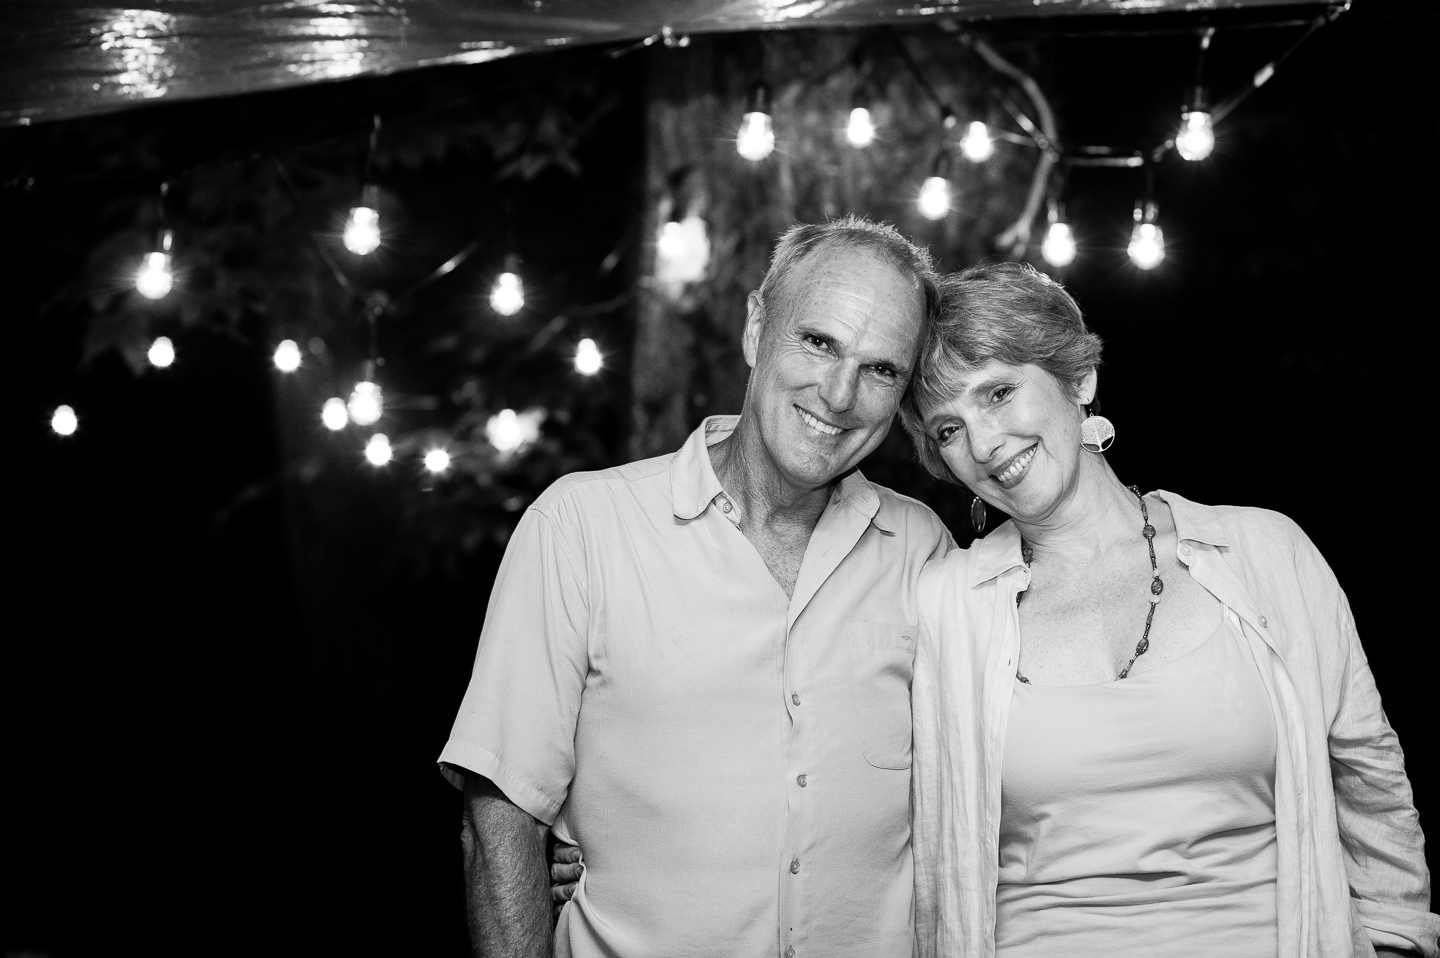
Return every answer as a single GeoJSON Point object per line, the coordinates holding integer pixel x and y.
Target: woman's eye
{"type": "Point", "coordinates": [1000, 394]}
{"type": "Point", "coordinates": [945, 433]}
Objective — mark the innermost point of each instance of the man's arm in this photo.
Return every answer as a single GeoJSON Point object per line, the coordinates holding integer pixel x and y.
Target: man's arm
{"type": "Point", "coordinates": [507, 885]}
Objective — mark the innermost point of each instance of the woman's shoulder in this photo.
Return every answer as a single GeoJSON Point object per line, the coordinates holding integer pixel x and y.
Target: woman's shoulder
{"type": "Point", "coordinates": [1234, 527]}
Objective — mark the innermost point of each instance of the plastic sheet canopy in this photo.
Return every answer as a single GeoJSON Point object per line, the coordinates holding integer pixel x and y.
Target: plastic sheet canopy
{"type": "Point", "coordinates": [62, 58]}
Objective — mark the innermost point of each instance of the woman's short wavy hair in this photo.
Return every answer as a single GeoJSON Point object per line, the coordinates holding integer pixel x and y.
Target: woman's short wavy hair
{"type": "Point", "coordinates": [1008, 312]}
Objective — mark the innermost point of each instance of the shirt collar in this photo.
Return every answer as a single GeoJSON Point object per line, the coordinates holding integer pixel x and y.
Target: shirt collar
{"type": "Point", "coordinates": [1195, 522]}
{"type": "Point", "coordinates": [997, 553]}
{"type": "Point", "coordinates": [694, 485]}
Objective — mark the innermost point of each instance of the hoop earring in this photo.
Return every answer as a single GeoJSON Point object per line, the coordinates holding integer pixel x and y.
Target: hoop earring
{"type": "Point", "coordinates": [977, 515]}
{"type": "Point", "coordinates": [1097, 433]}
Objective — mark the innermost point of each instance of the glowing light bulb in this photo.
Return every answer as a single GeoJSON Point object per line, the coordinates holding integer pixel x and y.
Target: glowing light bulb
{"type": "Point", "coordinates": [588, 360]}
{"type": "Point", "coordinates": [362, 230]}
{"type": "Point", "coordinates": [976, 143]}
{"type": "Point", "coordinates": [682, 252]}
{"type": "Point", "coordinates": [155, 278]}
{"type": "Point", "coordinates": [756, 139]}
{"type": "Point", "coordinates": [508, 430]}
{"type": "Point", "coordinates": [162, 352]}
{"type": "Point", "coordinates": [287, 356]}
{"type": "Point", "coordinates": [437, 460]}
{"type": "Point", "coordinates": [64, 422]}
{"type": "Point", "coordinates": [377, 450]}
{"type": "Point", "coordinates": [934, 199]}
{"type": "Point", "coordinates": [333, 414]}
{"type": "Point", "coordinates": [1197, 135]}
{"type": "Point", "coordinates": [860, 131]}
{"type": "Point", "coordinates": [507, 297]}
{"type": "Point", "coordinates": [366, 405]}
{"type": "Point", "coordinates": [1058, 247]}
{"type": "Point", "coordinates": [1147, 241]}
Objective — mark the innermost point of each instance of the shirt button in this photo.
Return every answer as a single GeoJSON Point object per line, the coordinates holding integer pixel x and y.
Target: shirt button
{"type": "Point", "coordinates": [1263, 624]}
{"type": "Point", "coordinates": [801, 779]}
{"type": "Point", "coordinates": [725, 506]}
{"type": "Point", "coordinates": [794, 866]}
{"type": "Point", "coordinates": [790, 952]}
{"type": "Point", "coordinates": [795, 697]}
{"type": "Point", "coordinates": [1184, 550]}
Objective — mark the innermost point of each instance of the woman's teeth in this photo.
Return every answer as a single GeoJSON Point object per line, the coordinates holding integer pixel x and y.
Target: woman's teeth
{"type": "Point", "coordinates": [1016, 467]}
{"type": "Point", "coordinates": [819, 426]}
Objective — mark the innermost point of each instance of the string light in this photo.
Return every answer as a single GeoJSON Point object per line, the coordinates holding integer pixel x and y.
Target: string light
{"type": "Point", "coordinates": [976, 144]}
{"type": "Point", "coordinates": [366, 405]}
{"type": "Point", "coordinates": [1196, 137]}
{"type": "Point", "coordinates": [161, 352]}
{"type": "Point", "coordinates": [155, 278]}
{"type": "Point", "coordinates": [682, 252]}
{"type": "Point", "coordinates": [362, 229]}
{"type": "Point", "coordinates": [860, 131]}
{"type": "Point", "coordinates": [934, 199]}
{"type": "Point", "coordinates": [378, 450]}
{"type": "Point", "coordinates": [756, 139]}
{"type": "Point", "coordinates": [437, 460]}
{"type": "Point", "coordinates": [64, 422]}
{"type": "Point", "coordinates": [508, 430]}
{"type": "Point", "coordinates": [334, 415]}
{"type": "Point", "coordinates": [287, 356]}
{"type": "Point", "coordinates": [1147, 241]}
{"type": "Point", "coordinates": [507, 296]}
{"type": "Point", "coordinates": [588, 360]}
{"type": "Point", "coordinates": [1058, 247]}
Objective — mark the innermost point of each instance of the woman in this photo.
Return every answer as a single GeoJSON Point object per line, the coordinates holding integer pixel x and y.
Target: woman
{"type": "Point", "coordinates": [1143, 726]}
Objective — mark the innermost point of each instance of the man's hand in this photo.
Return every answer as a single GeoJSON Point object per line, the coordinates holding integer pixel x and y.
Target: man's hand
{"type": "Point", "coordinates": [565, 873]}
{"type": "Point", "coordinates": [505, 882]}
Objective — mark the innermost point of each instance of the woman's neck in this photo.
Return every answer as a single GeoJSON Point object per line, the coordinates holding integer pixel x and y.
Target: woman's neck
{"type": "Point", "coordinates": [1097, 511]}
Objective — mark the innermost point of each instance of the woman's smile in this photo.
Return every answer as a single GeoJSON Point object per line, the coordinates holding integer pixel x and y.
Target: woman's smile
{"type": "Point", "coordinates": [1015, 469]}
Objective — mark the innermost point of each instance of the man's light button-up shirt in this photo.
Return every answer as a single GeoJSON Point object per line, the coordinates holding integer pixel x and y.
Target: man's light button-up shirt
{"type": "Point", "coordinates": [631, 688]}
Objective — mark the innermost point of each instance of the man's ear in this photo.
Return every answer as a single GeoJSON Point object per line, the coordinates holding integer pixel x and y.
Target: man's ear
{"type": "Point", "coordinates": [754, 326]}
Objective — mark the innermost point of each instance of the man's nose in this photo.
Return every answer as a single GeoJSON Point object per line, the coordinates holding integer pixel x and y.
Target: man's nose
{"type": "Point", "coordinates": [840, 386]}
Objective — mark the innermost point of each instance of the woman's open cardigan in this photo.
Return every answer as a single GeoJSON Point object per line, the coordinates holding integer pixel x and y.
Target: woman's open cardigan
{"type": "Point", "coordinates": [1352, 869]}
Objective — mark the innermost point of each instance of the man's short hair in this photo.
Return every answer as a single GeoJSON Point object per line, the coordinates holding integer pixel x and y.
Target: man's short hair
{"type": "Point", "coordinates": [1009, 312]}
{"type": "Point", "coordinates": [852, 233]}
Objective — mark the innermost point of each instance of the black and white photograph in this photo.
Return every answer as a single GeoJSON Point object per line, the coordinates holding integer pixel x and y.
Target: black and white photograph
{"type": "Point", "coordinates": [719, 479]}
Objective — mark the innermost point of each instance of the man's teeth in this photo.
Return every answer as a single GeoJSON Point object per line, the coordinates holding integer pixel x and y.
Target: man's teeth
{"type": "Point", "coordinates": [1016, 467]}
{"type": "Point", "coordinates": [819, 426]}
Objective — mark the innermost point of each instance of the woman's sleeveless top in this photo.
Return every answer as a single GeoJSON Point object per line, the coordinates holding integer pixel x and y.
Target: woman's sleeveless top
{"type": "Point", "coordinates": [1138, 816]}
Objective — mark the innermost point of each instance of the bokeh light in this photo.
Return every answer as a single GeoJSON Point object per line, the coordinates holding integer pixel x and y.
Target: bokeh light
{"type": "Point", "coordinates": [437, 460]}
{"type": "Point", "coordinates": [161, 352]}
{"type": "Point", "coordinates": [377, 450]}
{"type": "Point", "coordinates": [588, 360]}
{"type": "Point", "coordinates": [64, 422]}
{"type": "Point", "coordinates": [366, 405]}
{"type": "Point", "coordinates": [507, 297]}
{"type": "Point", "coordinates": [334, 415]}
{"type": "Point", "coordinates": [287, 356]}
{"type": "Point", "coordinates": [934, 199]}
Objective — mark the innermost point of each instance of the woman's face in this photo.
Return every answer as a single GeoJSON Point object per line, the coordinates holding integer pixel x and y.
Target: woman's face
{"type": "Point", "coordinates": [1012, 435]}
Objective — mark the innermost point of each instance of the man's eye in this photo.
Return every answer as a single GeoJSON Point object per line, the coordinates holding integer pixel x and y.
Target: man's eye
{"type": "Point", "coordinates": [817, 342]}
{"type": "Point", "coordinates": [884, 372]}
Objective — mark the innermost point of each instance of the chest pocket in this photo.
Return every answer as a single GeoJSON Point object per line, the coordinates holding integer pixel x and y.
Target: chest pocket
{"type": "Point", "coordinates": [882, 663]}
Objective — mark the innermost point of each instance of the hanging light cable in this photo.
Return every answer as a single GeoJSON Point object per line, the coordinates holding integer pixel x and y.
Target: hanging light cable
{"type": "Point", "coordinates": [756, 138]}
{"type": "Point", "coordinates": [934, 199]}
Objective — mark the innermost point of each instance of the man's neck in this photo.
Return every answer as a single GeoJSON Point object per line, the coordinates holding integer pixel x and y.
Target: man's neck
{"type": "Point", "coordinates": [767, 500]}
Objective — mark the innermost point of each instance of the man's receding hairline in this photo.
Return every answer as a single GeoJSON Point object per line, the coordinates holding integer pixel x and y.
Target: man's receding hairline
{"type": "Point", "coordinates": [860, 243]}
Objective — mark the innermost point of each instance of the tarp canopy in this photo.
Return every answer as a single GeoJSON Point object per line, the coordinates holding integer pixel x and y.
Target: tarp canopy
{"type": "Point", "coordinates": [62, 58]}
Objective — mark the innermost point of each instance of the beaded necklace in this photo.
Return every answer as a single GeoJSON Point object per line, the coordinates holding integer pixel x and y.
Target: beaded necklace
{"type": "Point", "coordinates": [1157, 586]}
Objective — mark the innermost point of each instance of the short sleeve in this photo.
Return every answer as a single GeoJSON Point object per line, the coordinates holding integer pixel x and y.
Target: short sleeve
{"type": "Point", "coordinates": [516, 725]}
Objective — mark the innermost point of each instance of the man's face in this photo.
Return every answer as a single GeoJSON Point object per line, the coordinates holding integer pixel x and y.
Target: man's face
{"type": "Point", "coordinates": [830, 361]}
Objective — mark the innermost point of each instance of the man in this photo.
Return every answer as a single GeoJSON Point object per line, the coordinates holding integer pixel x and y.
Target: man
{"type": "Point", "coordinates": [697, 667]}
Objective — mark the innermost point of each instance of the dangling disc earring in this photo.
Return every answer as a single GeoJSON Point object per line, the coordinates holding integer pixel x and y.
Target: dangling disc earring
{"type": "Point", "coordinates": [1096, 433]}
{"type": "Point", "coordinates": [977, 515]}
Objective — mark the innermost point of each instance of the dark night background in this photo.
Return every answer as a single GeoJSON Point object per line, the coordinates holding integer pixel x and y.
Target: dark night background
{"type": "Point", "coordinates": [230, 667]}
